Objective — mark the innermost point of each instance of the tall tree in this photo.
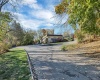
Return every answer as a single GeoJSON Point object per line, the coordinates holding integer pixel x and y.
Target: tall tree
{"type": "Point", "coordinates": [83, 14]}
{"type": "Point", "coordinates": [5, 19]}
{"type": "Point", "coordinates": [17, 32]}
{"type": "Point", "coordinates": [28, 37]}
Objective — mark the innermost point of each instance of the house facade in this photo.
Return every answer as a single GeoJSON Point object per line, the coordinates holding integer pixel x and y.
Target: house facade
{"type": "Point", "coordinates": [49, 36]}
{"type": "Point", "coordinates": [55, 38]}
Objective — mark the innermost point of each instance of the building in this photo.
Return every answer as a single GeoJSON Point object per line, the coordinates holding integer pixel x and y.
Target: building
{"type": "Point", "coordinates": [55, 38]}
{"type": "Point", "coordinates": [49, 36]}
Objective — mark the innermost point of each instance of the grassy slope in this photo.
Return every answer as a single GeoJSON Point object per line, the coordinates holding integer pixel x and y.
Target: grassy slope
{"type": "Point", "coordinates": [14, 65]}
{"type": "Point", "coordinates": [93, 46]}
{"type": "Point", "coordinates": [91, 49]}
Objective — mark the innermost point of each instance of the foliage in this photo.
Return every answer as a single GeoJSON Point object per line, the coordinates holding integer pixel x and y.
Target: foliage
{"type": "Point", "coordinates": [84, 15]}
{"type": "Point", "coordinates": [63, 47]}
{"type": "Point", "coordinates": [14, 66]}
{"type": "Point", "coordinates": [17, 33]}
{"type": "Point", "coordinates": [80, 36]}
{"type": "Point", "coordinates": [28, 37]}
{"type": "Point", "coordinates": [3, 47]}
{"type": "Point", "coordinates": [5, 19]}
{"type": "Point", "coordinates": [20, 36]}
{"type": "Point", "coordinates": [13, 35]}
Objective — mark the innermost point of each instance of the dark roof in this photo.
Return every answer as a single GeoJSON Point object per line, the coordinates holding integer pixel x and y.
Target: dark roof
{"type": "Point", "coordinates": [53, 35]}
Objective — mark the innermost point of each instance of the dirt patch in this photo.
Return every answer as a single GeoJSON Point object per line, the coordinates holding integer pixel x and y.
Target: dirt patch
{"type": "Point", "coordinates": [93, 46]}
{"type": "Point", "coordinates": [89, 49]}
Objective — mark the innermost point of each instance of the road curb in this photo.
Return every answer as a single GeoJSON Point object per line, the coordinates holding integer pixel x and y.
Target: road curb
{"type": "Point", "coordinates": [32, 70]}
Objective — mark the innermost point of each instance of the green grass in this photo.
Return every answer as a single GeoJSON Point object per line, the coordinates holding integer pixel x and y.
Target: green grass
{"type": "Point", "coordinates": [14, 65]}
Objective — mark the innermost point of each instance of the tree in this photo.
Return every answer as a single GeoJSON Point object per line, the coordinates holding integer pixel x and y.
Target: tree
{"type": "Point", "coordinates": [17, 33]}
{"type": "Point", "coordinates": [5, 19]}
{"type": "Point", "coordinates": [39, 34]}
{"type": "Point", "coordinates": [4, 2]}
{"type": "Point", "coordinates": [28, 37]}
{"type": "Point", "coordinates": [84, 15]}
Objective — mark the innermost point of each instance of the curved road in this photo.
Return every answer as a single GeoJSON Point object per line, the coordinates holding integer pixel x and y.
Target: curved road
{"type": "Point", "coordinates": [52, 64]}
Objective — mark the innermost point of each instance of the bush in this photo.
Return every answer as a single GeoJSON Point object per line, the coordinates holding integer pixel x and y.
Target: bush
{"type": "Point", "coordinates": [27, 39]}
{"type": "Point", "coordinates": [63, 48]}
{"type": "Point", "coordinates": [3, 47]}
{"type": "Point", "coordinates": [9, 45]}
{"type": "Point", "coordinates": [72, 46]}
{"type": "Point", "coordinates": [80, 37]}
{"type": "Point", "coordinates": [18, 43]}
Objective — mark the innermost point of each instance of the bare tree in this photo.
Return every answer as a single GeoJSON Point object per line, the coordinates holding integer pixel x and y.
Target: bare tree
{"type": "Point", "coordinates": [11, 2]}
{"type": "Point", "coordinates": [2, 3]}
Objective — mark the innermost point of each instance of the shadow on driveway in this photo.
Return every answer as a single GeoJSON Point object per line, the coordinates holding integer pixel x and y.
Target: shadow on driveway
{"type": "Point", "coordinates": [58, 69]}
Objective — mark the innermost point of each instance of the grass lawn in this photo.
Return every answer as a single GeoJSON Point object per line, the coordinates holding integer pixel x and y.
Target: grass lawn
{"type": "Point", "coordinates": [14, 65]}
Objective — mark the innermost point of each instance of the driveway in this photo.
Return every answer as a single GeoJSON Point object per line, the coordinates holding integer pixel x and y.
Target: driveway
{"type": "Point", "coordinates": [52, 64]}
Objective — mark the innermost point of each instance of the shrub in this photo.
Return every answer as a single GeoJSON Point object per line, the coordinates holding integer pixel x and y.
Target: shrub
{"type": "Point", "coordinates": [80, 37]}
{"type": "Point", "coordinates": [3, 47]}
{"type": "Point", "coordinates": [71, 46]}
{"type": "Point", "coordinates": [18, 43]}
{"type": "Point", "coordinates": [63, 48]}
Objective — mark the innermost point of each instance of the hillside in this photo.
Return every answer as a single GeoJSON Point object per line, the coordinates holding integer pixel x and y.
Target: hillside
{"type": "Point", "coordinates": [89, 49]}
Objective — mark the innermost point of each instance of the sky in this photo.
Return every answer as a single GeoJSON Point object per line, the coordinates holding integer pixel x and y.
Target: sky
{"type": "Point", "coordinates": [38, 14]}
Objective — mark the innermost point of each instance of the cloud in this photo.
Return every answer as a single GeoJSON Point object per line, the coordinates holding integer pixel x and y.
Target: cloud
{"type": "Point", "coordinates": [28, 23]}
{"type": "Point", "coordinates": [32, 4]}
{"type": "Point", "coordinates": [36, 6]}
{"type": "Point", "coordinates": [42, 14]}
{"type": "Point", "coordinates": [29, 1]}
{"type": "Point", "coordinates": [49, 24]}
{"type": "Point", "coordinates": [32, 23]}
{"type": "Point", "coordinates": [35, 15]}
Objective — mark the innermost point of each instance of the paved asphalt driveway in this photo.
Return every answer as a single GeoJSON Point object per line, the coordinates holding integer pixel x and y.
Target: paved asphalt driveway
{"type": "Point", "coordinates": [52, 64]}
